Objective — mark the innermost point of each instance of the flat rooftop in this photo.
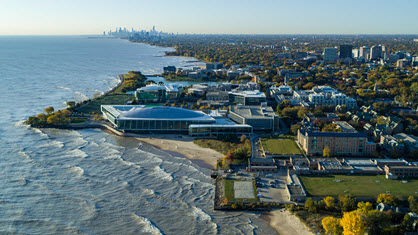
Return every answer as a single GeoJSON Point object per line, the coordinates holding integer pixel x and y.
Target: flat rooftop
{"type": "Point", "coordinates": [253, 111]}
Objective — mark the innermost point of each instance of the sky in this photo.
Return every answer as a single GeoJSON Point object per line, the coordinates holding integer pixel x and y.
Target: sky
{"type": "Point", "coordinates": [87, 17]}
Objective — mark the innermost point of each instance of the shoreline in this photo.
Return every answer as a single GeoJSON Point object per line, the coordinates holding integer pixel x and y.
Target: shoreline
{"type": "Point", "coordinates": [174, 145]}
{"type": "Point", "coordinates": [285, 223]}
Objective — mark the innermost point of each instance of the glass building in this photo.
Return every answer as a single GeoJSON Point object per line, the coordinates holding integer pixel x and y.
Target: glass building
{"type": "Point", "coordinates": [208, 129]}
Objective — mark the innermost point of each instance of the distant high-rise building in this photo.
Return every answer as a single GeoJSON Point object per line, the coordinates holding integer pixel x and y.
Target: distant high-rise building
{"type": "Point", "coordinates": [376, 52]}
{"type": "Point", "coordinates": [153, 28]}
{"type": "Point", "coordinates": [364, 52]}
{"type": "Point", "coordinates": [356, 53]}
{"type": "Point", "coordinates": [346, 51]}
{"type": "Point", "coordinates": [330, 54]}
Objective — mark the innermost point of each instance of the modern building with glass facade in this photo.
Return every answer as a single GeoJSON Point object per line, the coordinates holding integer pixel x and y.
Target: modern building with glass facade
{"type": "Point", "coordinates": [216, 130]}
{"type": "Point", "coordinates": [247, 97]}
{"type": "Point", "coordinates": [158, 93]}
{"type": "Point", "coordinates": [139, 118]}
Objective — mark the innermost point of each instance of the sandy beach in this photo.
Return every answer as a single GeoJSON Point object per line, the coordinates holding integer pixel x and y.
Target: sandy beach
{"type": "Point", "coordinates": [287, 224]}
{"type": "Point", "coordinates": [183, 145]}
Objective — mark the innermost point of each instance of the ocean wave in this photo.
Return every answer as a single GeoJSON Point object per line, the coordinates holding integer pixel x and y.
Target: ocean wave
{"type": "Point", "coordinates": [64, 88]}
{"type": "Point", "coordinates": [25, 155]}
{"type": "Point", "coordinates": [128, 163]}
{"type": "Point", "coordinates": [200, 214]}
{"type": "Point", "coordinates": [21, 124]}
{"type": "Point", "coordinates": [159, 172]}
{"type": "Point", "coordinates": [77, 170]}
{"type": "Point", "coordinates": [82, 96]}
{"type": "Point", "coordinates": [41, 133]}
{"type": "Point", "coordinates": [53, 143]}
{"type": "Point", "coordinates": [147, 225]}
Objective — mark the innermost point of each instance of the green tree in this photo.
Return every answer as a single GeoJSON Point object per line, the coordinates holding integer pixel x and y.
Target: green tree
{"type": "Point", "coordinates": [49, 110]}
{"type": "Point", "coordinates": [243, 138]}
{"type": "Point", "coordinates": [70, 104]}
{"type": "Point", "coordinates": [294, 128]}
{"type": "Point", "coordinates": [346, 202]}
{"type": "Point", "coordinates": [413, 204]}
{"type": "Point", "coordinates": [327, 152]}
{"type": "Point", "coordinates": [310, 206]}
{"type": "Point", "coordinates": [407, 223]}
{"type": "Point", "coordinates": [376, 221]}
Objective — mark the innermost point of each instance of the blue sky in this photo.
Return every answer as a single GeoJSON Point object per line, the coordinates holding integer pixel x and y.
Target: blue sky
{"type": "Point", "coordinates": [62, 17]}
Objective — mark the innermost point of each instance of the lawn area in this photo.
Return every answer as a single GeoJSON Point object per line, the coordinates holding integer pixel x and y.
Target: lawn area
{"type": "Point", "coordinates": [222, 146]}
{"type": "Point", "coordinates": [94, 105]}
{"type": "Point", "coordinates": [358, 186]}
{"type": "Point", "coordinates": [229, 191]}
{"type": "Point", "coordinates": [280, 146]}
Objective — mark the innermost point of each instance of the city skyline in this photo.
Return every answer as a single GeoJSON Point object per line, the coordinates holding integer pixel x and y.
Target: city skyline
{"type": "Point", "coordinates": [47, 17]}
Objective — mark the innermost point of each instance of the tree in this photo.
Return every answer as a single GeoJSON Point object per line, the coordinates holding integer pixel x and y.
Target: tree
{"type": "Point", "coordinates": [329, 203]}
{"type": "Point", "coordinates": [310, 206]}
{"type": "Point", "coordinates": [53, 119]}
{"type": "Point", "coordinates": [243, 138]}
{"type": "Point", "coordinates": [302, 112]}
{"type": "Point", "coordinates": [346, 202]}
{"type": "Point", "coordinates": [413, 204]}
{"type": "Point", "coordinates": [332, 225]}
{"type": "Point", "coordinates": [353, 223]}
{"type": "Point", "coordinates": [49, 110]}
{"type": "Point", "coordinates": [386, 198]}
{"type": "Point", "coordinates": [294, 128]}
{"type": "Point", "coordinates": [285, 103]}
{"type": "Point", "coordinates": [241, 153]}
{"type": "Point", "coordinates": [407, 223]}
{"type": "Point", "coordinates": [226, 201]}
{"type": "Point", "coordinates": [327, 152]}
{"type": "Point", "coordinates": [376, 221]}
{"type": "Point", "coordinates": [364, 207]}
{"type": "Point", "coordinates": [70, 104]}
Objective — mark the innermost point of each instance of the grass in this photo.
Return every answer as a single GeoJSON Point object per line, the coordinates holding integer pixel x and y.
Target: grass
{"type": "Point", "coordinates": [229, 191]}
{"type": "Point", "coordinates": [94, 105]}
{"type": "Point", "coordinates": [221, 146]}
{"type": "Point", "coordinates": [358, 186]}
{"type": "Point", "coordinates": [280, 146]}
{"type": "Point", "coordinates": [78, 120]}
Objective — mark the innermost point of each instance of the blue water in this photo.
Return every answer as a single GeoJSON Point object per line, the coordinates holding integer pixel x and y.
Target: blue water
{"type": "Point", "coordinates": [89, 181]}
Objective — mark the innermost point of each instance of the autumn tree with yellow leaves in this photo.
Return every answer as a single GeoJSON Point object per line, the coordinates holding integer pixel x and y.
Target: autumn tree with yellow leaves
{"type": "Point", "coordinates": [353, 223]}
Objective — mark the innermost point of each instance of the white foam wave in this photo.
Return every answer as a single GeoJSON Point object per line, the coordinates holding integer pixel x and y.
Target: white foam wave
{"type": "Point", "coordinates": [200, 214]}
{"type": "Point", "coordinates": [53, 143]}
{"type": "Point", "coordinates": [25, 155]}
{"type": "Point", "coordinates": [41, 133]}
{"type": "Point", "coordinates": [21, 124]}
{"type": "Point", "coordinates": [128, 163]}
{"type": "Point", "coordinates": [147, 225]}
{"type": "Point", "coordinates": [64, 88]}
{"type": "Point", "coordinates": [162, 174]}
{"type": "Point", "coordinates": [82, 96]}
{"type": "Point", "coordinates": [76, 169]}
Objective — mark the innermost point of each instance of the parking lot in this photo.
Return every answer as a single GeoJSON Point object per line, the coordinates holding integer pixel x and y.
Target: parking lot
{"type": "Point", "coordinates": [272, 187]}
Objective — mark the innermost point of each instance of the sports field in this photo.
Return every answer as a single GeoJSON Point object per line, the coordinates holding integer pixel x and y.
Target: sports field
{"type": "Point", "coordinates": [280, 146]}
{"type": "Point", "coordinates": [367, 186]}
{"type": "Point", "coordinates": [242, 190]}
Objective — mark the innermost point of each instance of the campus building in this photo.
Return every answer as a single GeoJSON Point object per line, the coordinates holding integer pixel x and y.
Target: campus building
{"type": "Point", "coordinates": [261, 118]}
{"type": "Point", "coordinates": [158, 93]}
{"type": "Point", "coordinates": [247, 97]}
{"type": "Point", "coordinates": [347, 142]}
{"type": "Point", "coordinates": [138, 118]}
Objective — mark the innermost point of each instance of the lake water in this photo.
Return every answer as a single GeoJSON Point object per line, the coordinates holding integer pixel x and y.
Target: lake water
{"type": "Point", "coordinates": [89, 181]}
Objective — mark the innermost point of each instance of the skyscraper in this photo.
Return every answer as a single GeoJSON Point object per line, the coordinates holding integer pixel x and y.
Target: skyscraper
{"type": "Point", "coordinates": [346, 51]}
{"type": "Point", "coordinates": [376, 52]}
{"type": "Point", "coordinates": [330, 54]}
{"type": "Point", "coordinates": [365, 52]}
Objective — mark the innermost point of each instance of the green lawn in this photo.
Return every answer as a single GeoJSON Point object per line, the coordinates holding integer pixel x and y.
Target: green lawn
{"type": "Point", "coordinates": [280, 146]}
{"type": "Point", "coordinates": [229, 191]}
{"type": "Point", "coordinates": [358, 186]}
{"type": "Point", "coordinates": [94, 105]}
